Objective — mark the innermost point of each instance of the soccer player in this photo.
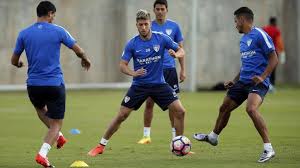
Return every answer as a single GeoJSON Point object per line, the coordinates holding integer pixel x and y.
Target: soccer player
{"type": "Point", "coordinates": [147, 51]}
{"type": "Point", "coordinates": [258, 59]}
{"type": "Point", "coordinates": [274, 32]}
{"type": "Point", "coordinates": [170, 28]}
{"type": "Point", "coordinates": [45, 85]}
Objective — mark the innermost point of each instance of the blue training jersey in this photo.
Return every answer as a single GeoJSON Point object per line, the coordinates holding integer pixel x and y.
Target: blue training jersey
{"type": "Point", "coordinates": [148, 54]}
{"type": "Point", "coordinates": [171, 29]}
{"type": "Point", "coordinates": [42, 42]}
{"type": "Point", "coordinates": [255, 48]}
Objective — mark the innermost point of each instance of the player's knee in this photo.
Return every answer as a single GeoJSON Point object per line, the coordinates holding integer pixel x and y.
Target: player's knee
{"type": "Point", "coordinates": [149, 104]}
{"type": "Point", "coordinates": [179, 113]}
{"type": "Point", "coordinates": [251, 110]}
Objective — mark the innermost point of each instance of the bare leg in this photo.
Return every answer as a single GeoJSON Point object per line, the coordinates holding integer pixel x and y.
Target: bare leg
{"type": "Point", "coordinates": [148, 113]}
{"type": "Point", "coordinates": [178, 110]}
{"type": "Point", "coordinates": [171, 117]}
{"type": "Point", "coordinates": [253, 103]}
{"type": "Point", "coordinates": [224, 114]}
{"type": "Point", "coordinates": [42, 115]}
{"type": "Point", "coordinates": [52, 134]}
{"type": "Point", "coordinates": [116, 122]}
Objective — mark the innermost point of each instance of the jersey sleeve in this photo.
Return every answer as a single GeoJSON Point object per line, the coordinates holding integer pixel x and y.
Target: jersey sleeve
{"type": "Point", "coordinates": [67, 39]}
{"type": "Point", "coordinates": [178, 36]}
{"type": "Point", "coordinates": [19, 48]}
{"type": "Point", "coordinates": [169, 43]}
{"type": "Point", "coordinates": [127, 53]}
{"type": "Point", "coordinates": [266, 43]}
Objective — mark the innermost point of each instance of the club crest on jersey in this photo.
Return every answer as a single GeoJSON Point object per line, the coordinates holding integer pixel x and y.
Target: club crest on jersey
{"type": "Point", "coordinates": [169, 31]}
{"type": "Point", "coordinates": [249, 42]}
{"type": "Point", "coordinates": [156, 48]}
{"type": "Point", "coordinates": [126, 99]}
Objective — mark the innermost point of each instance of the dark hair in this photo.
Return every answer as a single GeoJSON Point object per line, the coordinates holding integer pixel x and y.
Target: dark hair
{"type": "Point", "coordinates": [44, 7]}
{"type": "Point", "coordinates": [161, 2]}
{"type": "Point", "coordinates": [244, 11]}
{"type": "Point", "coordinates": [273, 21]}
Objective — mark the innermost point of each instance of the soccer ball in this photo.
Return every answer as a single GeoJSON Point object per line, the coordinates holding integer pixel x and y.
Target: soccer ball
{"type": "Point", "coordinates": [180, 145]}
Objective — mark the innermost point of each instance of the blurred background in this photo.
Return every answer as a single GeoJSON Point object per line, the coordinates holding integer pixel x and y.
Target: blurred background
{"type": "Point", "coordinates": [102, 28]}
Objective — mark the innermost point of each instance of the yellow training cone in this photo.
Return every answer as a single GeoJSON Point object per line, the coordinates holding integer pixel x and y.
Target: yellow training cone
{"type": "Point", "coordinates": [79, 164]}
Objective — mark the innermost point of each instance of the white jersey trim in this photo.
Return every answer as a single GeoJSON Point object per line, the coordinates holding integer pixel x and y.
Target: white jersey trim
{"type": "Point", "coordinates": [265, 37]}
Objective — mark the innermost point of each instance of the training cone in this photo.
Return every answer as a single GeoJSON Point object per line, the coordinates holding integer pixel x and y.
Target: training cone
{"type": "Point", "coordinates": [79, 164]}
{"type": "Point", "coordinates": [75, 131]}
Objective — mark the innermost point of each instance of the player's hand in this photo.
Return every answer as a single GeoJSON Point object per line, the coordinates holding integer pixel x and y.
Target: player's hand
{"type": "Point", "coordinates": [182, 76]}
{"type": "Point", "coordinates": [257, 79]}
{"type": "Point", "coordinates": [20, 64]}
{"type": "Point", "coordinates": [140, 72]}
{"type": "Point", "coordinates": [172, 53]}
{"type": "Point", "coordinates": [86, 63]}
{"type": "Point", "coordinates": [228, 84]}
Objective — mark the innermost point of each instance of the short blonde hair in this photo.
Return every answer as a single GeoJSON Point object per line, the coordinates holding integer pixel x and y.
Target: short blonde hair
{"type": "Point", "coordinates": [142, 14]}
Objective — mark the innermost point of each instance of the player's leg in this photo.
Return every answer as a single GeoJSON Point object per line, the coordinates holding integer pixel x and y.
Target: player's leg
{"type": "Point", "coordinates": [41, 112]}
{"type": "Point", "coordinates": [179, 112]}
{"type": "Point", "coordinates": [133, 100]}
{"type": "Point", "coordinates": [170, 75]}
{"type": "Point", "coordinates": [225, 110]}
{"type": "Point", "coordinates": [171, 117]}
{"type": "Point", "coordinates": [148, 115]}
{"type": "Point", "coordinates": [55, 101]}
{"type": "Point", "coordinates": [112, 128]}
{"type": "Point", "coordinates": [254, 101]}
{"type": "Point", "coordinates": [116, 122]}
{"type": "Point", "coordinates": [236, 95]}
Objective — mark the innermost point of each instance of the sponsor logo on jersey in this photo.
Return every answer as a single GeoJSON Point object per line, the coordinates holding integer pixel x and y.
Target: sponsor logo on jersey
{"type": "Point", "coordinates": [148, 60]}
{"type": "Point", "coordinates": [248, 54]}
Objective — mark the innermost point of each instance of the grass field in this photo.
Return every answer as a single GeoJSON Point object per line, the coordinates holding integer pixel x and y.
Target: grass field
{"type": "Point", "coordinates": [91, 111]}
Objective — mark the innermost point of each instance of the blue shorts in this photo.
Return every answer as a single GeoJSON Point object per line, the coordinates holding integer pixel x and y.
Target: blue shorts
{"type": "Point", "coordinates": [170, 75]}
{"type": "Point", "coordinates": [239, 91]}
{"type": "Point", "coordinates": [162, 94]}
{"type": "Point", "coordinates": [52, 96]}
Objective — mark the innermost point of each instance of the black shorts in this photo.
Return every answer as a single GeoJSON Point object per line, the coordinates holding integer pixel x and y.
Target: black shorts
{"type": "Point", "coordinates": [162, 94]}
{"type": "Point", "coordinates": [54, 97]}
{"type": "Point", "coordinates": [170, 75]}
{"type": "Point", "coordinates": [239, 91]}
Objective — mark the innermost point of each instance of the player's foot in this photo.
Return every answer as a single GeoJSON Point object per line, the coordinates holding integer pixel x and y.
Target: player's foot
{"type": "Point", "coordinates": [43, 161]}
{"type": "Point", "coordinates": [61, 141]}
{"type": "Point", "coordinates": [191, 153]}
{"type": "Point", "coordinates": [144, 140]}
{"type": "Point", "coordinates": [205, 137]}
{"type": "Point", "coordinates": [99, 149]}
{"type": "Point", "coordinates": [266, 155]}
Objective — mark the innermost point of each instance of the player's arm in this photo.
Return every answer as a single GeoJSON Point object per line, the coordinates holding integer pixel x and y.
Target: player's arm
{"type": "Point", "coordinates": [181, 60]}
{"type": "Point", "coordinates": [85, 62]}
{"type": "Point", "coordinates": [230, 83]}
{"type": "Point", "coordinates": [273, 61]}
{"type": "Point", "coordinates": [124, 68]}
{"type": "Point", "coordinates": [15, 60]}
{"type": "Point", "coordinates": [177, 54]}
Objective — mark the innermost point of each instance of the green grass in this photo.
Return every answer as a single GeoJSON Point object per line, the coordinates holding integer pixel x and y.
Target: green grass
{"type": "Point", "coordinates": [91, 111]}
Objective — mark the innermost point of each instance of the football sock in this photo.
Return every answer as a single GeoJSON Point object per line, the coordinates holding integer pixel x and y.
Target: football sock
{"type": "Point", "coordinates": [147, 131]}
{"type": "Point", "coordinates": [268, 146]}
{"type": "Point", "coordinates": [44, 149]}
{"type": "Point", "coordinates": [173, 132]}
{"type": "Point", "coordinates": [103, 142]}
{"type": "Point", "coordinates": [213, 136]}
{"type": "Point", "coordinates": [59, 134]}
